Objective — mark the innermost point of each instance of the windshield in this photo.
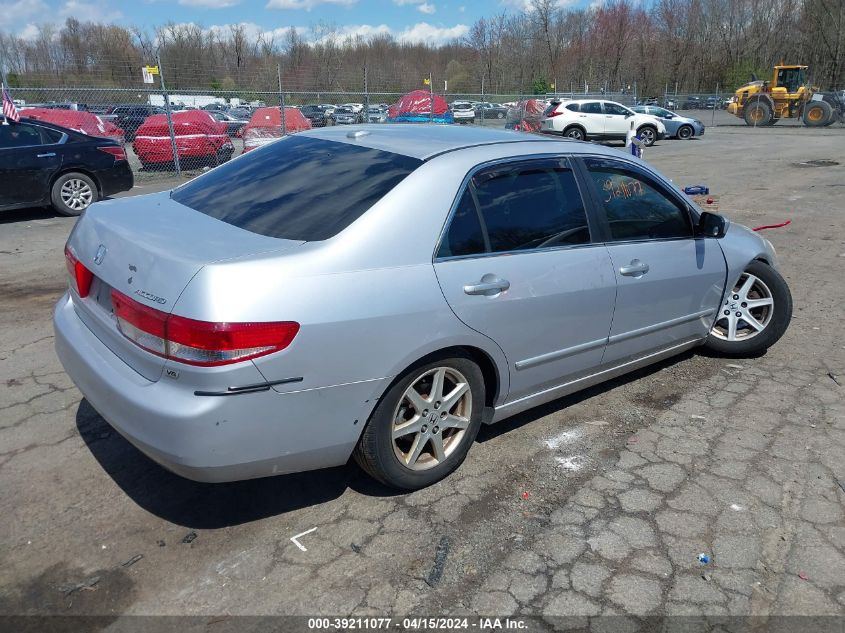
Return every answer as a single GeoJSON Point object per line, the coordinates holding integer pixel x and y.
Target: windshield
{"type": "Point", "coordinates": [297, 188]}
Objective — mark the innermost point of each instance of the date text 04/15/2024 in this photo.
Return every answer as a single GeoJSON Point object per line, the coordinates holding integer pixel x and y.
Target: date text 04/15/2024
{"type": "Point", "coordinates": [417, 624]}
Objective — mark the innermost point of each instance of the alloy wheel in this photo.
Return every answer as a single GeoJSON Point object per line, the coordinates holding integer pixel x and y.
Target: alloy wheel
{"type": "Point", "coordinates": [76, 194]}
{"type": "Point", "coordinates": [747, 311]}
{"type": "Point", "coordinates": [431, 419]}
{"type": "Point", "coordinates": [647, 135]}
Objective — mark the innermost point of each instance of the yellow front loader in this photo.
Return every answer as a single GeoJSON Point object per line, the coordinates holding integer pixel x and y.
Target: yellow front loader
{"type": "Point", "coordinates": [786, 96]}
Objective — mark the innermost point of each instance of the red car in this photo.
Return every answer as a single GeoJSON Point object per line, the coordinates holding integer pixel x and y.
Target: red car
{"type": "Point", "coordinates": [200, 140]}
{"type": "Point", "coordinates": [265, 126]}
{"type": "Point", "coordinates": [78, 121]}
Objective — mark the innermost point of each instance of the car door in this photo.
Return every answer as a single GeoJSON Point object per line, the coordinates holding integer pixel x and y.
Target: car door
{"type": "Point", "coordinates": [592, 117]}
{"type": "Point", "coordinates": [516, 262]}
{"type": "Point", "coordinates": [28, 159]}
{"type": "Point", "coordinates": [669, 283]}
{"type": "Point", "coordinates": [617, 119]}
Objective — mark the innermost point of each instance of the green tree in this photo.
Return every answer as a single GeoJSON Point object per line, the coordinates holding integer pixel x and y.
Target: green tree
{"type": "Point", "coordinates": [540, 86]}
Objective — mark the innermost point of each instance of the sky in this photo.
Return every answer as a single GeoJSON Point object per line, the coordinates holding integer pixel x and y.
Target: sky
{"type": "Point", "coordinates": [429, 21]}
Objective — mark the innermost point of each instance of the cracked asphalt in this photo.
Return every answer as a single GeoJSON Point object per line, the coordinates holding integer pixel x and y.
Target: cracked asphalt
{"type": "Point", "coordinates": [596, 504]}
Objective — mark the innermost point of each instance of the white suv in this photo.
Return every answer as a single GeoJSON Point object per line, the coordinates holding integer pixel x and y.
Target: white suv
{"type": "Point", "coordinates": [594, 119]}
{"type": "Point", "coordinates": [462, 111]}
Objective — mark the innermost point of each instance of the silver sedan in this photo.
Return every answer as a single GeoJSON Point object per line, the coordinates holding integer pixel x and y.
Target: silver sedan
{"type": "Point", "coordinates": [677, 126]}
{"type": "Point", "coordinates": [382, 291]}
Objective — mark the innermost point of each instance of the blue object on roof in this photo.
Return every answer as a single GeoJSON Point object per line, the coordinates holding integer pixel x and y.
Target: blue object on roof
{"type": "Point", "coordinates": [446, 117]}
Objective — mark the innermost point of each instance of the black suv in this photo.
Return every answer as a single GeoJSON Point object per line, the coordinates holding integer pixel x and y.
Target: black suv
{"type": "Point", "coordinates": [130, 117]}
{"type": "Point", "coordinates": [46, 165]}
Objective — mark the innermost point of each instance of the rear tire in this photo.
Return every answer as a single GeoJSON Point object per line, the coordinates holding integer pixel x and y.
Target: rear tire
{"type": "Point", "coordinates": [766, 300]}
{"type": "Point", "coordinates": [403, 445]}
{"type": "Point", "coordinates": [72, 193]}
{"type": "Point", "coordinates": [757, 113]}
{"type": "Point", "coordinates": [575, 133]}
{"type": "Point", "coordinates": [685, 132]}
{"type": "Point", "coordinates": [817, 114]}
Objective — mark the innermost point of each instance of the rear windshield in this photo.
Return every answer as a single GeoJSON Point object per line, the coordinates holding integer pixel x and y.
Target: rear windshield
{"type": "Point", "coordinates": [297, 188]}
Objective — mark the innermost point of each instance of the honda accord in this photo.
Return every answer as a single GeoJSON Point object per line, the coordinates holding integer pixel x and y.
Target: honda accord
{"type": "Point", "coordinates": [382, 291]}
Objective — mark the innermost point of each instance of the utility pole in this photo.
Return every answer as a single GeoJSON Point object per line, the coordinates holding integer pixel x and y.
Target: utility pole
{"type": "Point", "coordinates": [366, 96]}
{"type": "Point", "coordinates": [169, 116]}
{"type": "Point", "coordinates": [431, 99]}
{"type": "Point", "coordinates": [281, 101]}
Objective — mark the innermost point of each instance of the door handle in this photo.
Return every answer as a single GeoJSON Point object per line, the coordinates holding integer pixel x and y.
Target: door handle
{"type": "Point", "coordinates": [48, 155]}
{"type": "Point", "coordinates": [490, 285]}
{"type": "Point", "coordinates": [635, 269]}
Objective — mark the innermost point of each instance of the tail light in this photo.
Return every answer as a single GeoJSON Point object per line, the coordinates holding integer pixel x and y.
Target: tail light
{"type": "Point", "coordinates": [80, 277]}
{"type": "Point", "coordinates": [553, 113]}
{"type": "Point", "coordinates": [201, 343]}
{"type": "Point", "coordinates": [118, 152]}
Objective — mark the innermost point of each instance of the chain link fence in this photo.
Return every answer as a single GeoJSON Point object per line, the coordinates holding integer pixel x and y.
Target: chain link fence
{"type": "Point", "coordinates": [184, 131]}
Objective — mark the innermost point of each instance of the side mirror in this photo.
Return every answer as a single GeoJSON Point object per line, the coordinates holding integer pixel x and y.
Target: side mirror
{"type": "Point", "coordinates": [711, 225]}
{"type": "Point", "coordinates": [629, 114]}
{"type": "Point", "coordinates": [669, 116]}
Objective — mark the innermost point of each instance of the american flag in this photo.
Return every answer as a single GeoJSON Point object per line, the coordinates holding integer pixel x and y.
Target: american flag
{"type": "Point", "coordinates": [9, 109]}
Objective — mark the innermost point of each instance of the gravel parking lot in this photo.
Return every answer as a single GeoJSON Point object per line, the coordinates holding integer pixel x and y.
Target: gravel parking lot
{"type": "Point", "coordinates": [597, 504]}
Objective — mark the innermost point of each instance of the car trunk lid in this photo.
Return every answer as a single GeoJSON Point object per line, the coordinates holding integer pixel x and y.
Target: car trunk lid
{"type": "Point", "coordinates": [148, 248]}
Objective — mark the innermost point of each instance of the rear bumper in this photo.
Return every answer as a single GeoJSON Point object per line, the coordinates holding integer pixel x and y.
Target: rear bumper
{"type": "Point", "coordinates": [118, 178]}
{"type": "Point", "coordinates": [214, 438]}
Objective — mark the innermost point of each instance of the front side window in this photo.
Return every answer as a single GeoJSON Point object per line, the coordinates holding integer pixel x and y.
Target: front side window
{"type": "Point", "coordinates": [615, 108]}
{"type": "Point", "coordinates": [518, 208]}
{"type": "Point", "coordinates": [19, 135]}
{"type": "Point", "coordinates": [636, 206]}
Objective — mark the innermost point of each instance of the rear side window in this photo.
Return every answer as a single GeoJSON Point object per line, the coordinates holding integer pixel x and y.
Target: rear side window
{"type": "Point", "coordinates": [591, 107]}
{"type": "Point", "coordinates": [532, 205]}
{"type": "Point", "coordinates": [574, 107]}
{"type": "Point", "coordinates": [297, 188]}
{"type": "Point", "coordinates": [637, 207]}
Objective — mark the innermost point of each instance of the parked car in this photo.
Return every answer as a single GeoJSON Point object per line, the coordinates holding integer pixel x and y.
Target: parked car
{"type": "Point", "coordinates": [357, 108]}
{"type": "Point", "coordinates": [462, 111]}
{"type": "Point", "coordinates": [593, 119]}
{"type": "Point", "coordinates": [130, 117]}
{"type": "Point", "coordinates": [345, 115]}
{"type": "Point", "coordinates": [78, 121]}
{"type": "Point", "coordinates": [328, 109]}
{"type": "Point", "coordinates": [693, 103]}
{"type": "Point", "coordinates": [201, 140]}
{"type": "Point", "coordinates": [670, 103]}
{"type": "Point", "coordinates": [287, 312]}
{"type": "Point", "coordinates": [677, 126]}
{"type": "Point", "coordinates": [314, 114]}
{"type": "Point", "coordinates": [265, 126]}
{"type": "Point", "coordinates": [59, 105]}
{"type": "Point", "coordinates": [215, 107]}
{"type": "Point", "coordinates": [42, 164]}
{"type": "Point", "coordinates": [487, 110]}
{"type": "Point", "coordinates": [234, 125]}
{"type": "Point", "coordinates": [417, 106]}
{"type": "Point", "coordinates": [526, 116]}
{"type": "Point", "coordinates": [377, 114]}
{"type": "Point", "coordinates": [713, 102]}
{"type": "Point", "coordinates": [240, 112]}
